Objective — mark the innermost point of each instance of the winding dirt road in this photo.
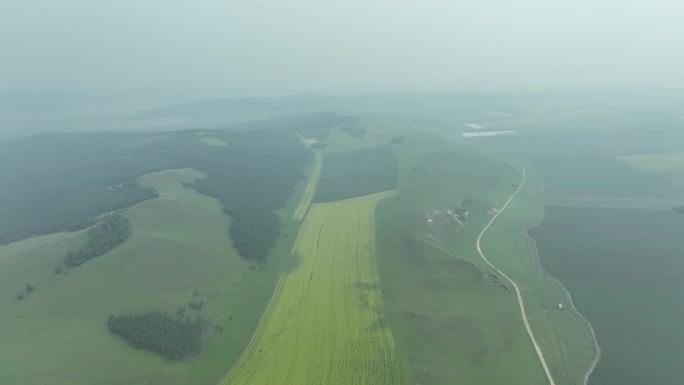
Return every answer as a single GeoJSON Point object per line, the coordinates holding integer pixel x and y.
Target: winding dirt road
{"type": "Point", "coordinates": [523, 314]}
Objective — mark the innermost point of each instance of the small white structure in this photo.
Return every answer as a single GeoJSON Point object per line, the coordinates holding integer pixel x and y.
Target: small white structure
{"type": "Point", "coordinates": [471, 134]}
{"type": "Point", "coordinates": [560, 306]}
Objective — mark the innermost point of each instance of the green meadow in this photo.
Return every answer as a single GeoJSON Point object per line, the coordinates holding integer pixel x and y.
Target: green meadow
{"type": "Point", "coordinates": [608, 233]}
{"type": "Point", "coordinates": [179, 252]}
{"type": "Point", "coordinates": [455, 320]}
{"type": "Point", "coordinates": [370, 286]}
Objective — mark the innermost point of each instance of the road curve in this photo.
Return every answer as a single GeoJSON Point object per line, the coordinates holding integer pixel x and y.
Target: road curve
{"type": "Point", "coordinates": [523, 314]}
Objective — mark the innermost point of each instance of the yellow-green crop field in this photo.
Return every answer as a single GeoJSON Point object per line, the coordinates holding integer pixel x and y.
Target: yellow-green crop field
{"type": "Point", "coordinates": [325, 323]}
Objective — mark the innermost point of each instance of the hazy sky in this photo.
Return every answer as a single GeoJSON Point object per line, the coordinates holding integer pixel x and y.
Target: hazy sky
{"type": "Point", "coordinates": [294, 46]}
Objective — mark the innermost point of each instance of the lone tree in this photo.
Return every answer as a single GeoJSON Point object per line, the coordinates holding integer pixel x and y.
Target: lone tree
{"type": "Point", "coordinates": [29, 288]}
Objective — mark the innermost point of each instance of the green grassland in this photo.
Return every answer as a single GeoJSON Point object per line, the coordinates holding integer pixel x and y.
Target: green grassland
{"type": "Point", "coordinates": [625, 270]}
{"type": "Point", "coordinates": [179, 252]}
{"type": "Point", "coordinates": [616, 260]}
{"type": "Point", "coordinates": [356, 173]}
{"type": "Point", "coordinates": [325, 323]}
{"type": "Point", "coordinates": [564, 335]}
{"type": "Point", "coordinates": [671, 164]}
{"type": "Point", "coordinates": [429, 312]}
{"type": "Point", "coordinates": [454, 320]}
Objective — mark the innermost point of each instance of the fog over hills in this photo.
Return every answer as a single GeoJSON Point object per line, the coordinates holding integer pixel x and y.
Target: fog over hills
{"type": "Point", "coordinates": [269, 47]}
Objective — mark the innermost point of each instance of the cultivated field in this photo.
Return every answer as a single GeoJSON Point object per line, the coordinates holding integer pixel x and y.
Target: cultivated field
{"type": "Point", "coordinates": [326, 322]}
{"type": "Point", "coordinates": [625, 270]}
{"type": "Point", "coordinates": [300, 211]}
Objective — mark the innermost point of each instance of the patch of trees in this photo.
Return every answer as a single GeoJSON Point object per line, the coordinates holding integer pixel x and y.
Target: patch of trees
{"type": "Point", "coordinates": [253, 232]}
{"type": "Point", "coordinates": [104, 236]}
{"type": "Point", "coordinates": [29, 289]}
{"type": "Point", "coordinates": [160, 333]}
{"type": "Point", "coordinates": [78, 211]}
{"type": "Point", "coordinates": [678, 209]}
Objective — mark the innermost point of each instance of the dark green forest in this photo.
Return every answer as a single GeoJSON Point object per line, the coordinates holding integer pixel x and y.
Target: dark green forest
{"type": "Point", "coordinates": [252, 183]}
{"type": "Point", "coordinates": [63, 182]}
{"type": "Point", "coordinates": [357, 173]}
{"type": "Point", "coordinates": [160, 333]}
{"type": "Point", "coordinates": [104, 236]}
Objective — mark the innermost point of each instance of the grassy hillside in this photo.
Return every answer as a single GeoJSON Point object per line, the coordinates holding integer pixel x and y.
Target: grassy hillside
{"type": "Point", "coordinates": [454, 319]}
{"type": "Point", "coordinates": [178, 253]}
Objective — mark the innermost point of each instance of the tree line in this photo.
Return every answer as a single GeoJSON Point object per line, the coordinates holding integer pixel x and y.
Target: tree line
{"type": "Point", "coordinates": [62, 182]}
{"type": "Point", "coordinates": [78, 177]}
{"type": "Point", "coordinates": [110, 233]}
{"type": "Point", "coordinates": [259, 176]}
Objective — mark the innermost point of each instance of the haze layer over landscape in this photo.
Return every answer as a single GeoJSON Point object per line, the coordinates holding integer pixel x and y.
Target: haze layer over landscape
{"type": "Point", "coordinates": [341, 192]}
{"type": "Point", "coordinates": [269, 47]}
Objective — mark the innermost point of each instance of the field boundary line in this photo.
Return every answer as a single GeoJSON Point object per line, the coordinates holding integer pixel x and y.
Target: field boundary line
{"type": "Point", "coordinates": [274, 288]}
{"type": "Point", "coordinates": [310, 190]}
{"type": "Point", "coordinates": [521, 303]}
{"type": "Point", "coordinates": [281, 269]}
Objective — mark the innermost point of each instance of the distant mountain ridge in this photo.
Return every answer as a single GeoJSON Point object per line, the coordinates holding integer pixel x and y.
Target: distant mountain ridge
{"type": "Point", "coordinates": [235, 110]}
